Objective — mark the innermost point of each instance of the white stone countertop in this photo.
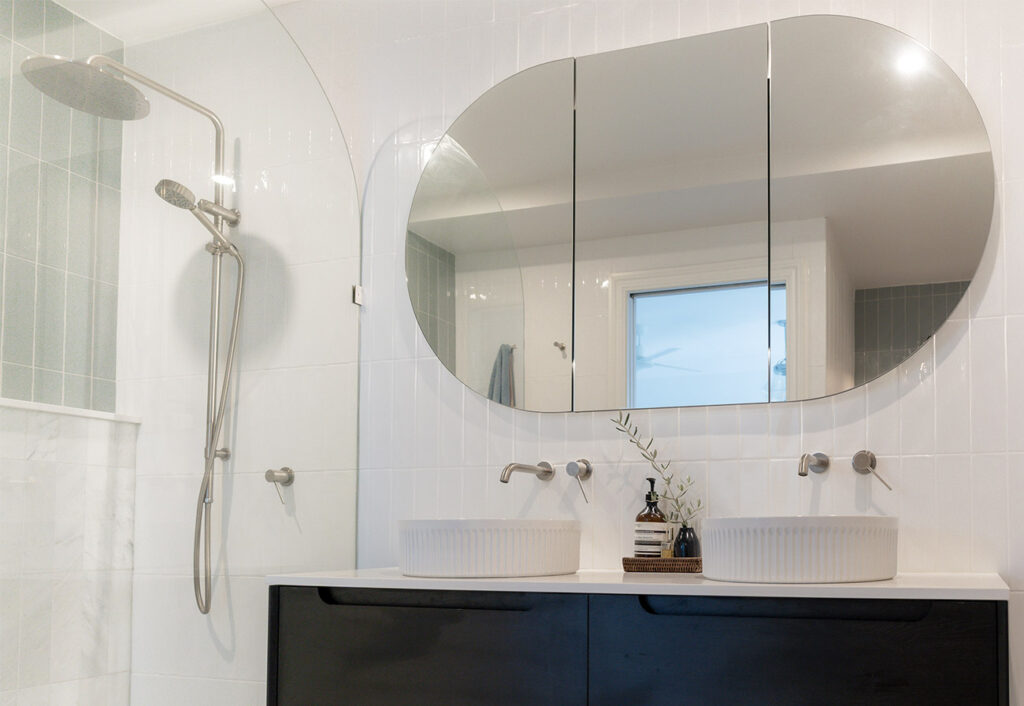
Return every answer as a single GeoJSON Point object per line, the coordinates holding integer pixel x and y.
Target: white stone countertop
{"type": "Point", "coordinates": [987, 587]}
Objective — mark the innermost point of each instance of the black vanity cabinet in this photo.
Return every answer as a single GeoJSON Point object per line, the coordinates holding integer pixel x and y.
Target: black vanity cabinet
{"type": "Point", "coordinates": [386, 646]}
{"type": "Point", "coordinates": [391, 646]}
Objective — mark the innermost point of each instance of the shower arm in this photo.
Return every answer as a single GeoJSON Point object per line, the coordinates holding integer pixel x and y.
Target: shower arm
{"type": "Point", "coordinates": [100, 61]}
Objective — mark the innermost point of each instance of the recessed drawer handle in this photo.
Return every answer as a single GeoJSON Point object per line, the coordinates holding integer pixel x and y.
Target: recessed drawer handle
{"type": "Point", "coordinates": [402, 598]}
{"type": "Point", "coordinates": [791, 608]}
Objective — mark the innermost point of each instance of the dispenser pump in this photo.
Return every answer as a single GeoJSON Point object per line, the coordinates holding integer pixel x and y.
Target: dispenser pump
{"type": "Point", "coordinates": [652, 494]}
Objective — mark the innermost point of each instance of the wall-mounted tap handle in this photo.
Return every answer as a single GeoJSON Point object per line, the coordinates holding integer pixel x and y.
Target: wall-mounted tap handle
{"type": "Point", "coordinates": [865, 462]}
{"type": "Point", "coordinates": [280, 477]}
{"type": "Point", "coordinates": [580, 469]}
{"type": "Point", "coordinates": [817, 462]}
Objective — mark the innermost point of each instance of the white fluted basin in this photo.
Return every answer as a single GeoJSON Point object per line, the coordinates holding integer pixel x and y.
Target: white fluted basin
{"type": "Point", "coordinates": [488, 548]}
{"type": "Point", "coordinates": [800, 549]}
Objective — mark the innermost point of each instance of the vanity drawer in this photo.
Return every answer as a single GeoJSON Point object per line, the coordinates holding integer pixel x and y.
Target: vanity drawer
{"type": "Point", "coordinates": [383, 646]}
{"type": "Point", "coordinates": [733, 651]}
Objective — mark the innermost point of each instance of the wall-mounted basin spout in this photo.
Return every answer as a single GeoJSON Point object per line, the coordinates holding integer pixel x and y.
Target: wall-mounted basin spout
{"type": "Point", "coordinates": [542, 470]}
{"type": "Point", "coordinates": [817, 462]}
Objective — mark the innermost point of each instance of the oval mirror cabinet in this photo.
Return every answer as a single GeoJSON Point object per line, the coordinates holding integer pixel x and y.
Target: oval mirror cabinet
{"type": "Point", "coordinates": [776, 212]}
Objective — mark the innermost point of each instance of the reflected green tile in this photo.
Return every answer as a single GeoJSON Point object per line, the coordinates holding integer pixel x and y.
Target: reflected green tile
{"type": "Point", "coordinates": [78, 326]}
{"type": "Point", "coordinates": [16, 381]}
{"type": "Point", "coordinates": [858, 327]}
{"type": "Point", "coordinates": [6, 8]}
{"type": "Point", "coordinates": [88, 39]}
{"type": "Point", "coordinates": [433, 278]}
{"type": "Point", "coordinates": [49, 387]}
{"type": "Point", "coordinates": [5, 87]}
{"type": "Point", "coordinates": [884, 323]}
{"type": "Point", "coordinates": [104, 355]}
{"type": "Point", "coordinates": [22, 206]}
{"type": "Point", "coordinates": [19, 310]}
{"type": "Point", "coordinates": [28, 24]}
{"type": "Point", "coordinates": [108, 223]}
{"type": "Point", "coordinates": [899, 323]}
{"type": "Point", "coordinates": [77, 391]}
{"type": "Point", "coordinates": [49, 326]}
{"type": "Point", "coordinates": [111, 45]}
{"type": "Point", "coordinates": [83, 158]}
{"type": "Point", "coordinates": [59, 37]}
{"type": "Point", "coordinates": [103, 395]}
{"type": "Point", "coordinates": [925, 322]}
{"type": "Point", "coordinates": [871, 325]}
{"type": "Point", "coordinates": [53, 216]}
{"type": "Point", "coordinates": [55, 145]}
{"type": "Point", "coordinates": [109, 166]}
{"type": "Point", "coordinates": [82, 226]}
{"type": "Point", "coordinates": [26, 107]}
{"type": "Point", "coordinates": [3, 198]}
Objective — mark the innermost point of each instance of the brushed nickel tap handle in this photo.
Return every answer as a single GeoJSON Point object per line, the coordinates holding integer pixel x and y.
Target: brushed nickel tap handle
{"type": "Point", "coordinates": [280, 477]}
{"type": "Point", "coordinates": [580, 469]}
{"type": "Point", "coordinates": [865, 462]}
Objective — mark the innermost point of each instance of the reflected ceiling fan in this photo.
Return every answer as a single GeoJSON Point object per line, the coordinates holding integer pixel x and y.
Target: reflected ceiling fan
{"type": "Point", "coordinates": [647, 361]}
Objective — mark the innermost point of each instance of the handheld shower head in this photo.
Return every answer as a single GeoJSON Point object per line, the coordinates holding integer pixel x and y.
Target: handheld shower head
{"type": "Point", "coordinates": [175, 194]}
{"type": "Point", "coordinates": [181, 196]}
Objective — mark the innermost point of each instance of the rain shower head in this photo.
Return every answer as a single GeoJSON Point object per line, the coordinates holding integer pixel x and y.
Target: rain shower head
{"type": "Point", "coordinates": [85, 87]}
{"type": "Point", "coordinates": [176, 194]}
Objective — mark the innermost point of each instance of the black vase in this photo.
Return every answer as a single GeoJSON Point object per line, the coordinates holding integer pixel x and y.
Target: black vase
{"type": "Point", "coordinates": [686, 543]}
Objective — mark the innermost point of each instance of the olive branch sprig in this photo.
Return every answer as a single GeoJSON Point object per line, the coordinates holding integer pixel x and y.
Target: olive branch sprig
{"type": "Point", "coordinates": [681, 509]}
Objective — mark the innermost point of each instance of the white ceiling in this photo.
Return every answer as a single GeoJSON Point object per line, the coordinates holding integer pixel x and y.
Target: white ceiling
{"type": "Point", "coordinates": [138, 21]}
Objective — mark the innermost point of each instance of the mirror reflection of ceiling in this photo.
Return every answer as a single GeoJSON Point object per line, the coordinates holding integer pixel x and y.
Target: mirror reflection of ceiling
{"type": "Point", "coordinates": [852, 153]}
{"type": "Point", "coordinates": [515, 144]}
{"type": "Point", "coordinates": [857, 138]}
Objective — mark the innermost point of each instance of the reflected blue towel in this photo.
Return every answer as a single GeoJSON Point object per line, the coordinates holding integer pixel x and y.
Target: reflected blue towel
{"type": "Point", "coordinates": [502, 388]}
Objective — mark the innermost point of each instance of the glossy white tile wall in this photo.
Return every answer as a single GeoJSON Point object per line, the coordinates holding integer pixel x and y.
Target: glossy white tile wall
{"type": "Point", "coordinates": [946, 426]}
{"type": "Point", "coordinates": [297, 388]}
{"type": "Point", "coordinates": [66, 502]}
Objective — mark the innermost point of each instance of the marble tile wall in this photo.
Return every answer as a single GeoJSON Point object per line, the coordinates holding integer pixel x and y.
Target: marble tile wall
{"type": "Point", "coordinates": [67, 497]}
{"type": "Point", "coordinates": [946, 424]}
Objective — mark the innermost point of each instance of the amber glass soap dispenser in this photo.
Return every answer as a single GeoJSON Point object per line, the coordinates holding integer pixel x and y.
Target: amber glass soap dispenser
{"type": "Point", "coordinates": [651, 529]}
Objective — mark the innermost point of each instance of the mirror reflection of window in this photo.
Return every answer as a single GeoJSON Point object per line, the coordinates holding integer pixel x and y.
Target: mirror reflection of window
{"type": "Point", "coordinates": [704, 345]}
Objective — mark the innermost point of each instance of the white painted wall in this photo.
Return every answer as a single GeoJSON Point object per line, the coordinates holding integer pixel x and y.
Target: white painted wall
{"type": "Point", "coordinates": [297, 389]}
{"type": "Point", "coordinates": [67, 485]}
{"type": "Point", "coordinates": [946, 424]}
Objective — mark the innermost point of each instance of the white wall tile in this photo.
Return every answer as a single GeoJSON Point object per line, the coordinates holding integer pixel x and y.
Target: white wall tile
{"type": "Point", "coordinates": [917, 402]}
{"type": "Point", "coordinates": [65, 556]}
{"type": "Point", "coordinates": [952, 387]}
{"type": "Point", "coordinates": [989, 520]}
{"type": "Point", "coordinates": [988, 385]}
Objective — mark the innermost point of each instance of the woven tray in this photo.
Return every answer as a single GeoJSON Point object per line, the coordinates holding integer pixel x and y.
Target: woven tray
{"type": "Point", "coordinates": [675, 565]}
